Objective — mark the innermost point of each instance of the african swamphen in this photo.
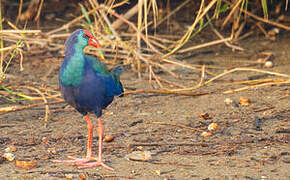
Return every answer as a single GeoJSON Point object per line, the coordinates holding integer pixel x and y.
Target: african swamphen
{"type": "Point", "coordinates": [88, 86]}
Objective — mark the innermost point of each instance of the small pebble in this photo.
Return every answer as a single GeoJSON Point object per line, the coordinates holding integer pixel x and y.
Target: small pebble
{"type": "Point", "coordinates": [244, 101]}
{"type": "Point", "coordinates": [139, 156]}
{"type": "Point", "coordinates": [159, 112]}
{"type": "Point", "coordinates": [228, 101]}
{"type": "Point", "coordinates": [52, 150]}
{"type": "Point", "coordinates": [204, 116]}
{"type": "Point", "coordinates": [212, 127]}
{"type": "Point", "coordinates": [26, 164]}
{"type": "Point", "coordinates": [109, 138]}
{"type": "Point", "coordinates": [10, 149]}
{"type": "Point", "coordinates": [144, 114]}
{"type": "Point", "coordinates": [158, 172]}
{"type": "Point", "coordinates": [206, 134]}
{"type": "Point", "coordinates": [268, 64]}
{"type": "Point", "coordinates": [9, 156]}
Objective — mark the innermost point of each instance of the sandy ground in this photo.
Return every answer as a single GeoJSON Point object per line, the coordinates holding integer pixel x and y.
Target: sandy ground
{"type": "Point", "coordinates": [251, 142]}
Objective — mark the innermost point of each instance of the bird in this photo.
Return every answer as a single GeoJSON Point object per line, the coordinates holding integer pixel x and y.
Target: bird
{"type": "Point", "coordinates": [89, 86]}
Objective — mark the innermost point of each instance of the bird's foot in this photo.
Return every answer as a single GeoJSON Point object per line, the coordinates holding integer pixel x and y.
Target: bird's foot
{"type": "Point", "coordinates": [84, 162]}
{"type": "Point", "coordinates": [75, 161]}
{"type": "Point", "coordinates": [94, 164]}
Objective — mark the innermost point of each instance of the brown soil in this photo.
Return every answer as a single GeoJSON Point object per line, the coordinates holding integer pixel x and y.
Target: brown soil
{"type": "Point", "coordinates": [238, 149]}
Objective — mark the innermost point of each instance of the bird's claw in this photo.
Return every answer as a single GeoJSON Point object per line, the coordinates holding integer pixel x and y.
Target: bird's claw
{"type": "Point", "coordinates": [94, 164]}
{"type": "Point", "coordinates": [84, 162]}
{"type": "Point", "coordinates": [73, 160]}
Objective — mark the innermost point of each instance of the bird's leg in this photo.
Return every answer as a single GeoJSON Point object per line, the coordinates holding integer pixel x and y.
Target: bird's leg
{"type": "Point", "coordinates": [84, 163]}
{"type": "Point", "coordinates": [100, 161]}
{"type": "Point", "coordinates": [78, 161]}
{"type": "Point", "coordinates": [100, 141]}
{"type": "Point", "coordinates": [90, 126]}
{"type": "Point", "coordinates": [89, 157]}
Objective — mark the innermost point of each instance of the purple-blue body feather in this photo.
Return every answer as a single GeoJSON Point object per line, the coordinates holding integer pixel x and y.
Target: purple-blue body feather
{"type": "Point", "coordinates": [95, 86]}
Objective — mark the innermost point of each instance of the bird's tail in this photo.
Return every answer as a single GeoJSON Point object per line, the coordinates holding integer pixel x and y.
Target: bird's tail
{"type": "Point", "coordinates": [117, 71]}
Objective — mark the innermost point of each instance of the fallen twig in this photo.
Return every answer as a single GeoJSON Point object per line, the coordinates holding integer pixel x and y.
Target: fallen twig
{"type": "Point", "coordinates": [256, 86]}
{"type": "Point", "coordinates": [9, 109]}
{"type": "Point", "coordinates": [155, 91]}
{"type": "Point", "coordinates": [231, 71]}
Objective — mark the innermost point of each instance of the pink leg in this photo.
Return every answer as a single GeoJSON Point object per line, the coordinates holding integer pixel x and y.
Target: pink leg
{"type": "Point", "coordinates": [84, 162]}
{"type": "Point", "coordinates": [89, 157]}
{"type": "Point", "coordinates": [90, 126]}
{"type": "Point", "coordinates": [100, 142]}
{"type": "Point", "coordinates": [100, 161]}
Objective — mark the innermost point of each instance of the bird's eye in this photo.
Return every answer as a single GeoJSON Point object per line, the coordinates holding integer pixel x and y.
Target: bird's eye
{"type": "Point", "coordinates": [86, 36]}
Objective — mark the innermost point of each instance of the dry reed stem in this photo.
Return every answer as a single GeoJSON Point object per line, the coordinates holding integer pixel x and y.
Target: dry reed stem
{"type": "Point", "coordinates": [258, 24]}
{"type": "Point", "coordinates": [256, 86]}
{"type": "Point", "coordinates": [155, 91]}
{"type": "Point", "coordinates": [163, 39]}
{"type": "Point", "coordinates": [247, 69]}
{"type": "Point", "coordinates": [156, 79]}
{"type": "Point", "coordinates": [139, 29]}
{"type": "Point", "coordinates": [8, 48]}
{"type": "Point", "coordinates": [19, 11]}
{"type": "Point", "coordinates": [200, 84]}
{"type": "Point", "coordinates": [228, 72]}
{"type": "Point", "coordinates": [172, 12]}
{"type": "Point", "coordinates": [171, 83]}
{"type": "Point", "coordinates": [239, 31]}
{"type": "Point", "coordinates": [234, 9]}
{"type": "Point", "coordinates": [133, 26]}
{"type": "Point", "coordinates": [12, 25]}
{"type": "Point", "coordinates": [116, 24]}
{"type": "Point", "coordinates": [221, 37]}
{"type": "Point", "coordinates": [39, 11]}
{"type": "Point", "coordinates": [150, 75]}
{"type": "Point", "coordinates": [163, 47]}
{"type": "Point", "coordinates": [146, 59]}
{"type": "Point", "coordinates": [67, 25]}
{"type": "Point", "coordinates": [261, 19]}
{"type": "Point", "coordinates": [9, 109]}
{"type": "Point", "coordinates": [202, 76]}
{"type": "Point", "coordinates": [138, 55]}
{"type": "Point", "coordinates": [20, 31]}
{"type": "Point", "coordinates": [20, 51]}
{"type": "Point", "coordinates": [106, 19]}
{"type": "Point", "coordinates": [194, 67]}
{"type": "Point", "coordinates": [257, 81]}
{"type": "Point", "coordinates": [205, 45]}
{"type": "Point", "coordinates": [267, 21]}
{"type": "Point", "coordinates": [47, 111]}
{"type": "Point", "coordinates": [201, 13]}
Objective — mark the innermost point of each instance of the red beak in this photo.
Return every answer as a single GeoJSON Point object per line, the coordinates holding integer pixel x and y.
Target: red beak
{"type": "Point", "coordinates": [92, 41]}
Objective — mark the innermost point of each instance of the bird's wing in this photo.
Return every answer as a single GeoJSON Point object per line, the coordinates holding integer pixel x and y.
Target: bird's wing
{"type": "Point", "coordinates": [111, 79]}
{"type": "Point", "coordinates": [98, 66]}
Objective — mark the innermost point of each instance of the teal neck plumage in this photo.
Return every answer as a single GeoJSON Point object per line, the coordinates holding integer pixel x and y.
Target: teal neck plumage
{"type": "Point", "coordinates": [73, 71]}
{"type": "Point", "coordinates": [73, 67]}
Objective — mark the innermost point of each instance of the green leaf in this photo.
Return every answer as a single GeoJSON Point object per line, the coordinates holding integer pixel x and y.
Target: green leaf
{"type": "Point", "coordinates": [224, 8]}
{"type": "Point", "coordinates": [265, 8]}
{"type": "Point", "coordinates": [85, 13]}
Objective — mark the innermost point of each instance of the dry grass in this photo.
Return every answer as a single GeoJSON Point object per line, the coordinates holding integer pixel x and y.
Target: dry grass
{"type": "Point", "coordinates": [140, 50]}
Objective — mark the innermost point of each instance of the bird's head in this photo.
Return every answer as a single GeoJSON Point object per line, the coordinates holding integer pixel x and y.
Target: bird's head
{"type": "Point", "coordinates": [80, 39]}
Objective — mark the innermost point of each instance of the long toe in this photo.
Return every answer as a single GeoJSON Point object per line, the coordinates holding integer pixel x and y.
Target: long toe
{"type": "Point", "coordinates": [95, 164]}
{"type": "Point", "coordinates": [74, 161]}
